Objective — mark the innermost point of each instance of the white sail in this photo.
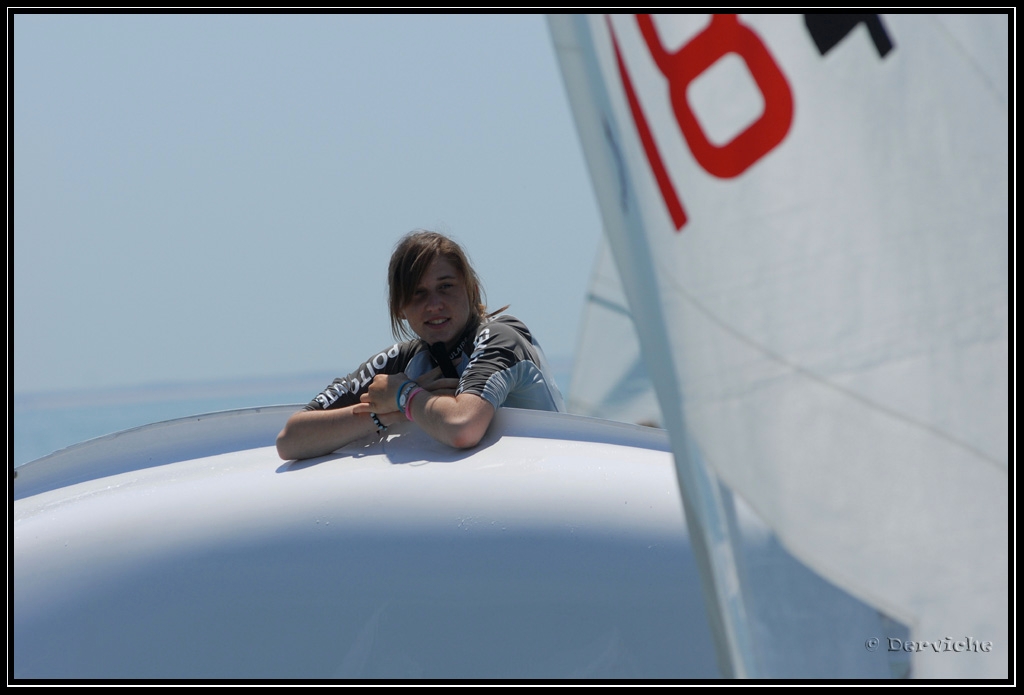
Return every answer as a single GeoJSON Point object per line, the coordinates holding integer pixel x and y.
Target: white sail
{"type": "Point", "coordinates": [609, 376]}
{"type": "Point", "coordinates": [810, 219]}
{"type": "Point", "coordinates": [781, 595]}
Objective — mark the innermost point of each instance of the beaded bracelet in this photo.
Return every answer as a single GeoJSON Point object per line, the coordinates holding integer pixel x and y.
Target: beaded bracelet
{"type": "Point", "coordinates": [408, 402]}
{"type": "Point", "coordinates": [381, 427]}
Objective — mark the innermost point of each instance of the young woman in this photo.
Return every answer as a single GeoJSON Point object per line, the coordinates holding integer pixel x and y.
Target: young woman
{"type": "Point", "coordinates": [463, 365]}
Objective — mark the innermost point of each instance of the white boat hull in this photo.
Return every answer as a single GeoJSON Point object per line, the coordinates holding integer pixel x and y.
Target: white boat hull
{"type": "Point", "coordinates": [526, 557]}
{"type": "Point", "coordinates": [557, 548]}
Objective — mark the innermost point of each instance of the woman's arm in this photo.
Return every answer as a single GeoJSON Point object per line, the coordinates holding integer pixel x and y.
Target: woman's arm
{"type": "Point", "coordinates": [460, 421]}
{"type": "Point", "coordinates": [310, 433]}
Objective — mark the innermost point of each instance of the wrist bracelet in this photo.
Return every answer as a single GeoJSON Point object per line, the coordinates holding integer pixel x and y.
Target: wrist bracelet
{"type": "Point", "coordinates": [408, 402]}
{"type": "Point", "coordinates": [381, 427]}
{"type": "Point", "coordinates": [399, 400]}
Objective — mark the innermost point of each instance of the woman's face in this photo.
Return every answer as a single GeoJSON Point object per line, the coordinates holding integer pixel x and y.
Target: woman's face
{"type": "Point", "coordinates": [439, 309]}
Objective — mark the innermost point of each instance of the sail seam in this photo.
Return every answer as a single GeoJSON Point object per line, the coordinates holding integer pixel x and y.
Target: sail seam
{"type": "Point", "coordinates": [817, 378]}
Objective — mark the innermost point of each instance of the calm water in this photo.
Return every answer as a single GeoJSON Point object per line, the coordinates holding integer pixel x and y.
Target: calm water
{"type": "Point", "coordinates": [47, 422]}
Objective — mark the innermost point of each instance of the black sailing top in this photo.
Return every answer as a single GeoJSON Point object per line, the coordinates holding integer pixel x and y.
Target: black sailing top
{"type": "Point", "coordinates": [496, 359]}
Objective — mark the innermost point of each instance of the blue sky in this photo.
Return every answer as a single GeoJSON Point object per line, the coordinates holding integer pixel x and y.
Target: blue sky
{"type": "Point", "coordinates": [202, 197]}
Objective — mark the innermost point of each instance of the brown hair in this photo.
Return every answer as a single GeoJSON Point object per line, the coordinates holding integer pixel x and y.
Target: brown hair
{"type": "Point", "coordinates": [412, 256]}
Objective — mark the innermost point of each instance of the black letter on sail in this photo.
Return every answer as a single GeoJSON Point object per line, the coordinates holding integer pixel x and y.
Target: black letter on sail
{"type": "Point", "coordinates": [829, 29]}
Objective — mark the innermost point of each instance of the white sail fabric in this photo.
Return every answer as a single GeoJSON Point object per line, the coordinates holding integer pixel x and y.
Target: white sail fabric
{"type": "Point", "coordinates": [781, 596]}
{"type": "Point", "coordinates": [609, 376]}
{"type": "Point", "coordinates": [810, 218]}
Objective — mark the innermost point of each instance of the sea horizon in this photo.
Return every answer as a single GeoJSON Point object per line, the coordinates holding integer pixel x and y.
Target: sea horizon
{"type": "Point", "coordinates": [47, 421]}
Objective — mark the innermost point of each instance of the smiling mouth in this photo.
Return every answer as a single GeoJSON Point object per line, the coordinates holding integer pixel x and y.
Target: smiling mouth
{"type": "Point", "coordinates": [437, 322]}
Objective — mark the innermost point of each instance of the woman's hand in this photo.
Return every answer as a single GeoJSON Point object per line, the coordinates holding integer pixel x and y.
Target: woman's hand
{"type": "Point", "coordinates": [382, 393]}
{"type": "Point", "coordinates": [438, 385]}
{"type": "Point", "coordinates": [380, 396]}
